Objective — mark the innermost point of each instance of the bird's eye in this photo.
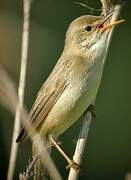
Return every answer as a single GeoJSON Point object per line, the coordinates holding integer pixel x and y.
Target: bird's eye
{"type": "Point", "coordinates": [88, 28]}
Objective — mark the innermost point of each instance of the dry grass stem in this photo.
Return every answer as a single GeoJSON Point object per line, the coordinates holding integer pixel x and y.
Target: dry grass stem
{"type": "Point", "coordinates": [8, 95]}
{"type": "Point", "coordinates": [21, 88]}
{"type": "Point", "coordinates": [9, 98]}
{"type": "Point", "coordinates": [88, 7]}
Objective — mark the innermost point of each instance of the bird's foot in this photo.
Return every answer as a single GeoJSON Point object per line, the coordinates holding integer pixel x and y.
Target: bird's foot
{"type": "Point", "coordinates": [74, 165]}
{"type": "Point", "coordinates": [92, 110]}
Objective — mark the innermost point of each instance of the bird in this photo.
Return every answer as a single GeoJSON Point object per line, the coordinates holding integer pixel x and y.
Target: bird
{"type": "Point", "coordinates": [72, 85]}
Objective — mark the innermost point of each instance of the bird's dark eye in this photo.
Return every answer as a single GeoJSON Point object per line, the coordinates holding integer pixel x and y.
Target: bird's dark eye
{"type": "Point", "coordinates": [88, 28]}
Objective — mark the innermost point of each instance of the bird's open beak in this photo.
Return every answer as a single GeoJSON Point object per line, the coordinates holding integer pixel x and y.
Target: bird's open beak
{"type": "Point", "coordinates": [107, 26]}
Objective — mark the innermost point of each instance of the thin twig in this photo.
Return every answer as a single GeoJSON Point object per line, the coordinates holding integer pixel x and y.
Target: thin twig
{"type": "Point", "coordinates": [21, 88]}
{"type": "Point", "coordinates": [107, 6]}
{"type": "Point", "coordinates": [88, 7]}
{"type": "Point", "coordinates": [8, 95]}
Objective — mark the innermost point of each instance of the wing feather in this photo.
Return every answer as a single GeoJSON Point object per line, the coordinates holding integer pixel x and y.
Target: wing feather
{"type": "Point", "coordinates": [46, 98]}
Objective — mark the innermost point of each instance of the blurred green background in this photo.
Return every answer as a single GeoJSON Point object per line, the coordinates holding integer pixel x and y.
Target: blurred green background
{"type": "Point", "coordinates": [108, 152]}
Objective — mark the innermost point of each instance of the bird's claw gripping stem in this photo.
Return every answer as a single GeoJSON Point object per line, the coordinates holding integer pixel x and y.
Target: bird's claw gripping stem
{"type": "Point", "coordinates": [74, 165]}
{"type": "Point", "coordinates": [92, 110]}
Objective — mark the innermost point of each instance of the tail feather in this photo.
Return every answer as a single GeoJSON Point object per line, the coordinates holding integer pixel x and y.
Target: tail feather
{"type": "Point", "coordinates": [40, 170]}
{"type": "Point", "coordinates": [22, 137]}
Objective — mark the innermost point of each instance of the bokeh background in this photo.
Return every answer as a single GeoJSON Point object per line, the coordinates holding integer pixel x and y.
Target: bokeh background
{"type": "Point", "coordinates": [108, 152]}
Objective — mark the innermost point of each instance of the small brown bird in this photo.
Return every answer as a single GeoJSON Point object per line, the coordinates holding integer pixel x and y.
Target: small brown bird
{"type": "Point", "coordinates": [73, 84]}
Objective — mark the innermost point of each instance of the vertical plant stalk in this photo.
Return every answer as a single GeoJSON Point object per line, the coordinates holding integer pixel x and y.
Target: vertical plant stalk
{"type": "Point", "coordinates": [21, 88]}
{"type": "Point", "coordinates": [107, 6]}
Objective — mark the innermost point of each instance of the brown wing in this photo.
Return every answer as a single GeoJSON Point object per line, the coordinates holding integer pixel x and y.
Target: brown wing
{"type": "Point", "coordinates": [47, 97]}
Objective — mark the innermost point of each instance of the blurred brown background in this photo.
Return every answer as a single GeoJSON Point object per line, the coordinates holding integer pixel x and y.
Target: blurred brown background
{"type": "Point", "coordinates": [108, 152]}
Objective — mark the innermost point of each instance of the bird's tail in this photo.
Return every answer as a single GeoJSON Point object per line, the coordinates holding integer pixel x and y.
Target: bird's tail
{"type": "Point", "coordinates": [40, 172]}
{"type": "Point", "coordinates": [22, 137]}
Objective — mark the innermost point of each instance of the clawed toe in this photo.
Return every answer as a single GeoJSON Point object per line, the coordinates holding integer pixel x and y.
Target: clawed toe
{"type": "Point", "coordinates": [74, 165]}
{"type": "Point", "coordinates": [92, 109]}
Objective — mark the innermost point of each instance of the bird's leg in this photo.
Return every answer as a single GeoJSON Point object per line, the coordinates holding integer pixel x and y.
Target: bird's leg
{"type": "Point", "coordinates": [72, 163]}
{"type": "Point", "coordinates": [92, 109]}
